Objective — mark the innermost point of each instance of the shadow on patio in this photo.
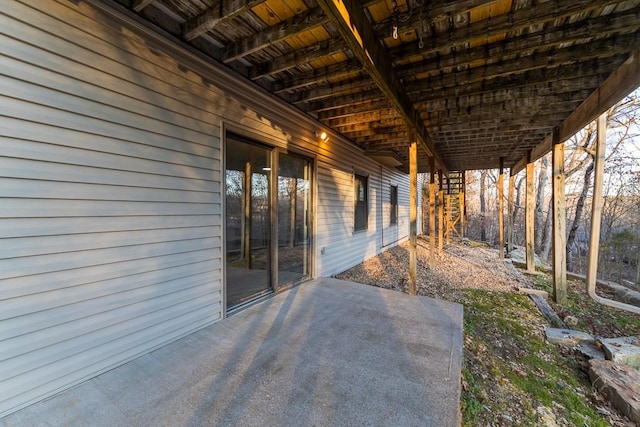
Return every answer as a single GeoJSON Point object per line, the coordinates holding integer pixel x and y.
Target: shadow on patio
{"type": "Point", "coordinates": [328, 352]}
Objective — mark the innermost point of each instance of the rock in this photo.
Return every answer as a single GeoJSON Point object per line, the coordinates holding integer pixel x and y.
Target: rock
{"type": "Point", "coordinates": [571, 321]}
{"type": "Point", "coordinates": [518, 254]}
{"type": "Point", "coordinates": [625, 350]}
{"type": "Point", "coordinates": [590, 350]}
{"type": "Point", "coordinates": [507, 418]}
{"type": "Point", "coordinates": [546, 417]}
{"type": "Point", "coordinates": [566, 337]}
{"type": "Point", "coordinates": [620, 384]}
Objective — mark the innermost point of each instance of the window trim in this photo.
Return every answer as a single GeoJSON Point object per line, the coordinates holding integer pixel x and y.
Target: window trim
{"type": "Point", "coordinates": [393, 205]}
{"type": "Point", "coordinates": [357, 178]}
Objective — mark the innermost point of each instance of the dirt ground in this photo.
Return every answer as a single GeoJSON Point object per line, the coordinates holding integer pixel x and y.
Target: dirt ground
{"type": "Point", "coordinates": [463, 265]}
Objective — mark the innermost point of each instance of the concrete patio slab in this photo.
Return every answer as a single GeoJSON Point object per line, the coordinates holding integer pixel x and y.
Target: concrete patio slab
{"type": "Point", "coordinates": [328, 352]}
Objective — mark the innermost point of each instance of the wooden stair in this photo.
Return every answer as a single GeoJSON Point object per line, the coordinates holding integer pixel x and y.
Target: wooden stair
{"type": "Point", "coordinates": [454, 205]}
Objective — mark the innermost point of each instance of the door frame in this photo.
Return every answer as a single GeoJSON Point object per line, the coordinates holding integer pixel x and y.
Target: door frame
{"type": "Point", "coordinates": [311, 214]}
{"type": "Point", "coordinates": [276, 147]}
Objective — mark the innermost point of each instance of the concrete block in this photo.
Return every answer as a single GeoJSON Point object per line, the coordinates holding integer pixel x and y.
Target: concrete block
{"type": "Point", "coordinates": [620, 384]}
{"type": "Point", "coordinates": [566, 337]}
{"type": "Point", "coordinates": [530, 291]}
{"type": "Point", "coordinates": [625, 350]}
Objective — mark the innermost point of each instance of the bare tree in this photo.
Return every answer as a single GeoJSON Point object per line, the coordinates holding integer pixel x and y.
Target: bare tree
{"type": "Point", "coordinates": [577, 162]}
{"type": "Point", "coordinates": [539, 217]}
{"type": "Point", "coordinates": [621, 118]}
{"type": "Point", "coordinates": [483, 205]}
{"type": "Point", "coordinates": [545, 251]}
{"type": "Point", "coordinates": [516, 206]}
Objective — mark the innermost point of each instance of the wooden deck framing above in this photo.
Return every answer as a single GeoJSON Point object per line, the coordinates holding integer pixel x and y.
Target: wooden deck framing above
{"type": "Point", "coordinates": [473, 80]}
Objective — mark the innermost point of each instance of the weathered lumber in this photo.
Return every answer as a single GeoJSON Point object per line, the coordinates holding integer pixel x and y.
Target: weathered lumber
{"type": "Point", "coordinates": [432, 210]}
{"type": "Point", "coordinates": [540, 40]}
{"type": "Point", "coordinates": [440, 212]}
{"type": "Point", "coordinates": [559, 222]}
{"type": "Point", "coordinates": [223, 11]}
{"type": "Point", "coordinates": [547, 311]}
{"type": "Point", "coordinates": [341, 70]}
{"type": "Point", "coordinates": [356, 29]}
{"type": "Point", "coordinates": [413, 215]}
{"type": "Point", "coordinates": [296, 58]}
{"type": "Point", "coordinates": [509, 72]}
{"type": "Point", "coordinates": [538, 13]}
{"type": "Point", "coordinates": [304, 21]}
{"type": "Point", "coordinates": [619, 83]}
{"type": "Point", "coordinates": [531, 291]}
{"type": "Point", "coordinates": [500, 185]}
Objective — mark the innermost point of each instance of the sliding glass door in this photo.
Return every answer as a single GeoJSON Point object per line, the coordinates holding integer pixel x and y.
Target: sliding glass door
{"type": "Point", "coordinates": [267, 238]}
{"type": "Point", "coordinates": [294, 201]}
{"type": "Point", "coordinates": [248, 219]}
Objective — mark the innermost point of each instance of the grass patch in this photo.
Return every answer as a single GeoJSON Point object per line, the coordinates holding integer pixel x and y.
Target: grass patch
{"type": "Point", "coordinates": [594, 318]}
{"type": "Point", "coordinates": [511, 375]}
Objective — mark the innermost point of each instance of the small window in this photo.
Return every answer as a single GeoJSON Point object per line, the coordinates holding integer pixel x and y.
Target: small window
{"type": "Point", "coordinates": [361, 197]}
{"type": "Point", "coordinates": [393, 205]}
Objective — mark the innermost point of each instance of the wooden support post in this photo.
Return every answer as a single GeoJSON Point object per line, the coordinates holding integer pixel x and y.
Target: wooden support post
{"type": "Point", "coordinates": [413, 215]}
{"type": "Point", "coordinates": [447, 217]}
{"type": "Point", "coordinates": [596, 203]}
{"type": "Point", "coordinates": [559, 223]}
{"type": "Point", "coordinates": [463, 207]}
{"type": "Point", "coordinates": [530, 205]}
{"type": "Point", "coordinates": [596, 215]}
{"type": "Point", "coordinates": [510, 210]}
{"type": "Point", "coordinates": [447, 210]}
{"type": "Point", "coordinates": [501, 209]}
{"type": "Point", "coordinates": [432, 209]}
{"type": "Point", "coordinates": [440, 211]}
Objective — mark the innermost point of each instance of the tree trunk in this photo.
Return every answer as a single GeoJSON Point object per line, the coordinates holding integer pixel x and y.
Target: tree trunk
{"type": "Point", "coordinates": [539, 222]}
{"type": "Point", "coordinates": [546, 233]}
{"type": "Point", "coordinates": [516, 206]}
{"type": "Point", "coordinates": [483, 206]}
{"type": "Point", "coordinates": [637, 267]}
{"type": "Point", "coordinates": [573, 231]}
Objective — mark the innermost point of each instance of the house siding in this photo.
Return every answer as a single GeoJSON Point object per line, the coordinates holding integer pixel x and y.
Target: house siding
{"type": "Point", "coordinates": [111, 197]}
{"type": "Point", "coordinates": [111, 205]}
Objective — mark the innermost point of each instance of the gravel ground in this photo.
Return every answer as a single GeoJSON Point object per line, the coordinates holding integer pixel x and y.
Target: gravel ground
{"type": "Point", "coordinates": [461, 265]}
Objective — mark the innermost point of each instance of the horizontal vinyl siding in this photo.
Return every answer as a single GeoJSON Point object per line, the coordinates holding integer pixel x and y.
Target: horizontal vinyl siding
{"type": "Point", "coordinates": [111, 226]}
{"type": "Point", "coordinates": [344, 248]}
{"type": "Point", "coordinates": [394, 234]}
{"type": "Point", "coordinates": [110, 201]}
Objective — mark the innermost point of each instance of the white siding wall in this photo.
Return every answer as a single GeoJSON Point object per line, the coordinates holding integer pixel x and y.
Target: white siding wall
{"type": "Point", "coordinates": [111, 195]}
{"type": "Point", "coordinates": [110, 211]}
{"type": "Point", "coordinates": [338, 246]}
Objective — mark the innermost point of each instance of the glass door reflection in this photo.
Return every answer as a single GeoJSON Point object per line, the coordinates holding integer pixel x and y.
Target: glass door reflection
{"type": "Point", "coordinates": [294, 201]}
{"type": "Point", "coordinates": [248, 219]}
